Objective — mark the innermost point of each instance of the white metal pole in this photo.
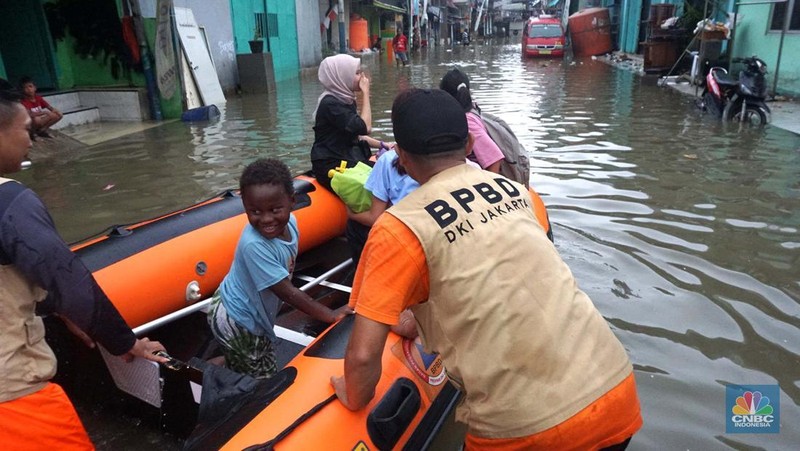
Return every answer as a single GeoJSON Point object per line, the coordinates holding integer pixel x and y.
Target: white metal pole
{"type": "Point", "coordinates": [147, 327]}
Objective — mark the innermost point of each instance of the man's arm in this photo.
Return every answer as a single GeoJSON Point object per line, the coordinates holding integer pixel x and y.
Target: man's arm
{"type": "Point", "coordinates": [31, 242]}
{"type": "Point", "coordinates": [362, 363]}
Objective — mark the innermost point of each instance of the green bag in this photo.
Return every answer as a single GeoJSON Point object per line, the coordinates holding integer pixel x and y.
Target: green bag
{"type": "Point", "coordinates": [348, 184]}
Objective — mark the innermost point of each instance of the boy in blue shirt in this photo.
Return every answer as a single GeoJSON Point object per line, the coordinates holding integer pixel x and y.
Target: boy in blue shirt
{"type": "Point", "coordinates": [243, 310]}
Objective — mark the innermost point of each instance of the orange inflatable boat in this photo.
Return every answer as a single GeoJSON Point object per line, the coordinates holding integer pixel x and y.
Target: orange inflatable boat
{"type": "Point", "coordinates": [300, 410]}
{"type": "Point", "coordinates": [156, 270]}
{"type": "Point", "coordinates": [162, 265]}
{"type": "Point", "coordinates": [158, 266]}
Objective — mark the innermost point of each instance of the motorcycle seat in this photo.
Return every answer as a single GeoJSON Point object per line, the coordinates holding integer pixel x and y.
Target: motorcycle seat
{"type": "Point", "coordinates": [724, 79]}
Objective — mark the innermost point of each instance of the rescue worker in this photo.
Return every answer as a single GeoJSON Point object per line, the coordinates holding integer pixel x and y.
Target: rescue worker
{"type": "Point", "coordinates": [539, 366]}
{"type": "Point", "coordinates": [38, 271]}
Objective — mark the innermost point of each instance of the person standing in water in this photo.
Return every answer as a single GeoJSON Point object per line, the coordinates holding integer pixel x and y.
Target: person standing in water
{"type": "Point", "coordinates": [400, 46]}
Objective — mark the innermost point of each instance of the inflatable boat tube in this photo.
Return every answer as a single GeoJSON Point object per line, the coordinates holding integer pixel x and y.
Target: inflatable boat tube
{"type": "Point", "coordinates": [412, 399]}
{"type": "Point", "coordinates": [161, 265]}
{"type": "Point", "coordinates": [148, 269]}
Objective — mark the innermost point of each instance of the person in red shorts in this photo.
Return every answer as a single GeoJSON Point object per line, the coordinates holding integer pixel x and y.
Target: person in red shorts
{"type": "Point", "coordinates": [538, 365]}
{"type": "Point", "coordinates": [39, 273]}
{"type": "Point", "coordinates": [400, 46]}
{"type": "Point", "coordinates": [42, 113]}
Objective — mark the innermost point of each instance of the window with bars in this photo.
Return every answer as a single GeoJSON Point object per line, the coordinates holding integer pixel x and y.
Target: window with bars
{"type": "Point", "coordinates": [267, 24]}
{"type": "Point", "coordinates": [261, 24]}
{"type": "Point", "coordinates": [779, 11]}
{"type": "Point", "coordinates": [272, 25]}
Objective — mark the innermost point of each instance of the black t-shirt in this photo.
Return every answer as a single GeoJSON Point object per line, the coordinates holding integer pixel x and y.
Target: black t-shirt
{"type": "Point", "coordinates": [29, 240]}
{"type": "Point", "coordinates": [336, 131]}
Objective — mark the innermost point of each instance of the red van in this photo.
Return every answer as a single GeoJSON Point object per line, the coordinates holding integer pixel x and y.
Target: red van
{"type": "Point", "coordinates": [543, 36]}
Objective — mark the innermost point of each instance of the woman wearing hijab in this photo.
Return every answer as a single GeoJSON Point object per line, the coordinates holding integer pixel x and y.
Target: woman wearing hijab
{"type": "Point", "coordinates": [339, 131]}
{"type": "Point", "coordinates": [484, 152]}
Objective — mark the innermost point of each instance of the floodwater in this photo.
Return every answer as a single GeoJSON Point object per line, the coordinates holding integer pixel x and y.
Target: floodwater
{"type": "Point", "coordinates": [683, 231]}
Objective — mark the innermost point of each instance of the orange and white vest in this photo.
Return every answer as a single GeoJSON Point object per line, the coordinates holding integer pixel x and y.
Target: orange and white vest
{"type": "Point", "coordinates": [527, 346]}
{"type": "Point", "coordinates": [26, 361]}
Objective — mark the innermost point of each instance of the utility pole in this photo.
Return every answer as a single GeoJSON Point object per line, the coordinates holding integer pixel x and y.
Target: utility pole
{"type": "Point", "coordinates": [480, 12]}
{"type": "Point", "coordinates": [342, 41]}
{"type": "Point", "coordinates": [147, 67]}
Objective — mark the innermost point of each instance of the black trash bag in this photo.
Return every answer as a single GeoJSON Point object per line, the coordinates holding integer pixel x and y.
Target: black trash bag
{"type": "Point", "coordinates": [231, 400]}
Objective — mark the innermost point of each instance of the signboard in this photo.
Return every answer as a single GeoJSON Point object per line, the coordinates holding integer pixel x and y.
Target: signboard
{"type": "Point", "coordinates": [166, 66]}
{"type": "Point", "coordinates": [198, 57]}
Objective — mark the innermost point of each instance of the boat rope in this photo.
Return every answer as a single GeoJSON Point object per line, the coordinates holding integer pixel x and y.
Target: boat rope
{"type": "Point", "coordinates": [270, 445]}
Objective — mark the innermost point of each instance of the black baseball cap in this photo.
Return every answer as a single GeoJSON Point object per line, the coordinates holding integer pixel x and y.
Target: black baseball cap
{"type": "Point", "coordinates": [426, 121]}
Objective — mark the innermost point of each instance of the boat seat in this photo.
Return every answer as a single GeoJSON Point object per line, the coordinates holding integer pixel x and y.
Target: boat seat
{"type": "Point", "coordinates": [303, 186]}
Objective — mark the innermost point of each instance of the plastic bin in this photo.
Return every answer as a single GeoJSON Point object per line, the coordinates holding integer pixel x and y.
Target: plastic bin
{"type": "Point", "coordinates": [200, 114]}
{"type": "Point", "coordinates": [590, 30]}
{"type": "Point", "coordinates": [359, 36]}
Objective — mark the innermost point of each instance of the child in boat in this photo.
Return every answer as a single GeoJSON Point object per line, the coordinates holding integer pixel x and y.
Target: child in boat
{"type": "Point", "coordinates": [485, 151]}
{"type": "Point", "coordinates": [243, 310]}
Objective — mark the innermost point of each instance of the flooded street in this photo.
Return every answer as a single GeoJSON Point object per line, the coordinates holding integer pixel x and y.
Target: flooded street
{"type": "Point", "coordinates": [683, 231]}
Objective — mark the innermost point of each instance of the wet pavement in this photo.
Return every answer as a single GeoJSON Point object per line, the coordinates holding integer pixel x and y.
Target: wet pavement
{"type": "Point", "coordinates": [682, 229]}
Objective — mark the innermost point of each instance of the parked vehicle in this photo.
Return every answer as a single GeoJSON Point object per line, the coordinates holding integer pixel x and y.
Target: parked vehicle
{"type": "Point", "coordinates": [741, 100]}
{"type": "Point", "coordinates": [543, 36]}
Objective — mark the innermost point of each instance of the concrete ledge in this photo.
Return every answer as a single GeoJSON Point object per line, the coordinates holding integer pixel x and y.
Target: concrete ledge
{"type": "Point", "coordinates": [114, 104]}
{"type": "Point", "coordinates": [256, 74]}
{"type": "Point", "coordinates": [64, 101]}
{"type": "Point", "coordinates": [78, 116]}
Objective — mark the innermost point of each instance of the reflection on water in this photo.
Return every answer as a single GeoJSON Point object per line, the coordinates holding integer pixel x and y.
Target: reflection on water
{"type": "Point", "coordinates": [684, 231]}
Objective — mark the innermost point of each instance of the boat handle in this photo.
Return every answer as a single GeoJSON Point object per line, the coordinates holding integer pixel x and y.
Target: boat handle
{"type": "Point", "coordinates": [193, 293]}
{"type": "Point", "coordinates": [393, 414]}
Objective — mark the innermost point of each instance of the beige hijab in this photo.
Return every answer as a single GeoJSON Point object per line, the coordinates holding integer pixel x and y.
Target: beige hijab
{"type": "Point", "coordinates": [338, 74]}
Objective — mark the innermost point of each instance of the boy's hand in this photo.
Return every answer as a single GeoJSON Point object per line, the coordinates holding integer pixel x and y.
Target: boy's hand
{"type": "Point", "coordinates": [341, 312]}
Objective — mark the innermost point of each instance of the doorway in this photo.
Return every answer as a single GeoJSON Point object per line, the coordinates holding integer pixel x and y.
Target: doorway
{"type": "Point", "coordinates": [25, 43]}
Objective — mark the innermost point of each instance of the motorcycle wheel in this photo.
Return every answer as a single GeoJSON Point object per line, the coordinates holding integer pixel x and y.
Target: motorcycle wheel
{"type": "Point", "coordinates": [710, 104]}
{"type": "Point", "coordinates": [752, 117]}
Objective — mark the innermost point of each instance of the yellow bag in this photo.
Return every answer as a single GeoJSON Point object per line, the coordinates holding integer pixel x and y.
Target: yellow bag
{"type": "Point", "coordinates": [348, 184]}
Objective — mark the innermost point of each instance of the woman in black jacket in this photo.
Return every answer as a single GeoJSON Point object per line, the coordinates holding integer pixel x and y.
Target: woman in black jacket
{"type": "Point", "coordinates": [340, 132]}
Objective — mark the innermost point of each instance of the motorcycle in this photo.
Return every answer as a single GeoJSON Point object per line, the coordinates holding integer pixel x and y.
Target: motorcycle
{"type": "Point", "coordinates": [741, 100]}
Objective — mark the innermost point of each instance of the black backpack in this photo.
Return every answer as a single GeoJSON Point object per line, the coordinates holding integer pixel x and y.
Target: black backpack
{"type": "Point", "coordinates": [515, 165]}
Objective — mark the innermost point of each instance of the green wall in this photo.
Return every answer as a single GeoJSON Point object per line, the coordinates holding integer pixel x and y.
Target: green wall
{"type": "Point", "coordinates": [629, 18]}
{"type": "Point", "coordinates": [284, 48]}
{"type": "Point", "coordinates": [753, 38]}
{"type": "Point", "coordinates": [76, 72]}
{"type": "Point", "coordinates": [285, 57]}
